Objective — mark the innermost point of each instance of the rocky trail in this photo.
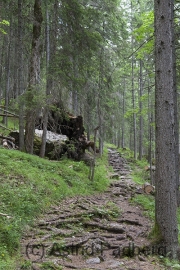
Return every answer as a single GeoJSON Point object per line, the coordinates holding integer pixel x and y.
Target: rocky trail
{"type": "Point", "coordinates": [102, 231]}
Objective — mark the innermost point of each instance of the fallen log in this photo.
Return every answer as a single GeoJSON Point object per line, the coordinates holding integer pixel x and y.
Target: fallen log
{"type": "Point", "coordinates": [8, 142]}
{"type": "Point", "coordinates": [148, 168]}
{"type": "Point", "coordinates": [110, 227]}
{"type": "Point", "coordinates": [61, 124]}
{"type": "Point", "coordinates": [7, 138]}
{"type": "Point", "coordinates": [5, 127]}
{"type": "Point", "coordinates": [148, 188]}
{"type": "Point", "coordinates": [10, 114]}
{"type": "Point", "coordinates": [5, 215]}
{"type": "Point", "coordinates": [64, 123]}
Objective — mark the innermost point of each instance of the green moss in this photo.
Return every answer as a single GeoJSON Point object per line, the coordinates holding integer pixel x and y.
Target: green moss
{"type": "Point", "coordinates": [29, 185]}
{"type": "Point", "coordinates": [147, 202]}
{"type": "Point", "coordinates": [155, 234]}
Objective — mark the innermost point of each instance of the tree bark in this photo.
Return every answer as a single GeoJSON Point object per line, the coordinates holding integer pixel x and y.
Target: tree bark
{"type": "Point", "coordinates": [123, 114]}
{"type": "Point", "coordinates": [99, 97]}
{"type": "Point", "coordinates": [133, 92]}
{"type": "Point", "coordinates": [140, 113]}
{"type": "Point", "coordinates": [20, 76]}
{"type": "Point", "coordinates": [45, 116]}
{"type": "Point", "coordinates": [176, 120]}
{"type": "Point", "coordinates": [34, 78]}
{"type": "Point", "coordinates": [7, 88]}
{"type": "Point", "coordinates": [166, 166]}
{"type": "Point", "coordinates": [150, 132]}
{"type": "Point", "coordinates": [1, 67]}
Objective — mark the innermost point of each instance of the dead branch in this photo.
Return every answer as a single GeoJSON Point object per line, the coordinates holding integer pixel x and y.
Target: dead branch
{"type": "Point", "coordinates": [116, 228]}
{"type": "Point", "coordinates": [5, 215]}
{"type": "Point", "coordinates": [5, 127]}
{"type": "Point", "coordinates": [7, 138]}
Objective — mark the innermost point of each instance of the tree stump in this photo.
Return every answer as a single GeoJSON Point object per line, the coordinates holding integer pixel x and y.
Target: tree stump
{"type": "Point", "coordinates": [148, 188]}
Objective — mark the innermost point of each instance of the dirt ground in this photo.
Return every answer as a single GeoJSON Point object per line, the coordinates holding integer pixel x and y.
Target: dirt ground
{"type": "Point", "coordinates": [103, 231]}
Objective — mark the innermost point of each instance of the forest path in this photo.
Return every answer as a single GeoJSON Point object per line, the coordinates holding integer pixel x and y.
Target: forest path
{"type": "Point", "coordinates": [102, 231]}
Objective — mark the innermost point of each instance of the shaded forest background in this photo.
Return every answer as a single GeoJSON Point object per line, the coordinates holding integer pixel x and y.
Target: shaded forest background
{"type": "Point", "coordinates": [97, 61]}
{"type": "Point", "coordinates": [93, 58]}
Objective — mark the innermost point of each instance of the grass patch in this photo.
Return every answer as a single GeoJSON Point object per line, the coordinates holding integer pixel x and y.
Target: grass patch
{"type": "Point", "coordinates": [50, 265]}
{"type": "Point", "coordinates": [127, 154]}
{"type": "Point", "coordinates": [148, 204]}
{"type": "Point", "coordinates": [29, 185]}
{"type": "Point", "coordinates": [140, 176]}
{"type": "Point", "coordinates": [171, 264]}
{"type": "Point", "coordinates": [110, 211]}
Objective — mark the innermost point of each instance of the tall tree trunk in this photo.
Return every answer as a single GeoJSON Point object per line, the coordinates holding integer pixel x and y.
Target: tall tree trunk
{"type": "Point", "coordinates": [20, 76]}
{"type": "Point", "coordinates": [99, 110]}
{"type": "Point", "coordinates": [133, 90]}
{"type": "Point", "coordinates": [140, 113]}
{"type": "Point", "coordinates": [88, 114]}
{"type": "Point", "coordinates": [134, 114]}
{"type": "Point", "coordinates": [123, 115]}
{"type": "Point", "coordinates": [51, 46]}
{"type": "Point", "coordinates": [100, 123]}
{"type": "Point", "coordinates": [166, 141]}
{"type": "Point", "coordinates": [150, 133]}
{"type": "Point", "coordinates": [74, 100]}
{"type": "Point", "coordinates": [176, 128]}
{"type": "Point", "coordinates": [8, 57]}
{"type": "Point", "coordinates": [46, 110]}
{"type": "Point", "coordinates": [1, 67]}
{"type": "Point", "coordinates": [149, 126]}
{"type": "Point", "coordinates": [34, 78]}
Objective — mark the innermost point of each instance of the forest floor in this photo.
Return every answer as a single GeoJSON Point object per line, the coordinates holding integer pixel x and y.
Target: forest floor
{"type": "Point", "coordinates": [102, 231]}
